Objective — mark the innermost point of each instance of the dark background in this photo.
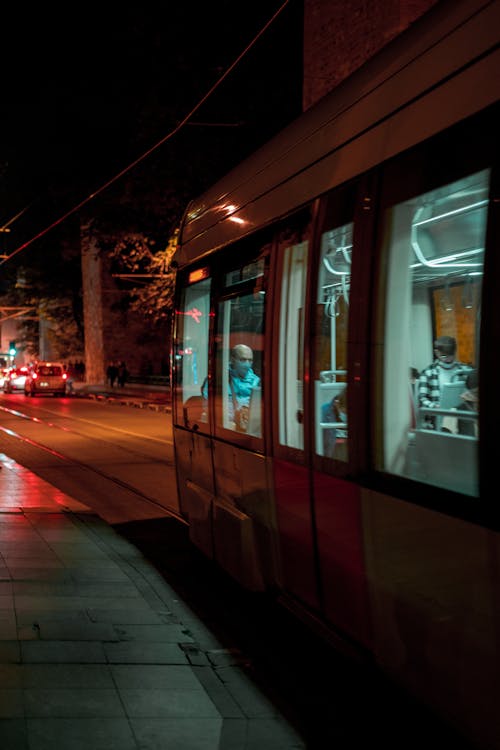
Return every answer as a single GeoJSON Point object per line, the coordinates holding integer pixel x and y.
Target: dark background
{"type": "Point", "coordinates": [89, 88]}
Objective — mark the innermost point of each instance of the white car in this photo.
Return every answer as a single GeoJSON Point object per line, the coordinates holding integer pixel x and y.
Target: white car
{"type": "Point", "coordinates": [15, 379]}
{"type": "Point", "coordinates": [46, 377]}
{"type": "Point", "coordinates": [4, 371]}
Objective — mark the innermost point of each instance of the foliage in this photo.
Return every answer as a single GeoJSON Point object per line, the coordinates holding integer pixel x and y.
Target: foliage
{"type": "Point", "coordinates": [52, 296]}
{"type": "Point", "coordinates": [66, 340]}
{"type": "Point", "coordinates": [150, 293]}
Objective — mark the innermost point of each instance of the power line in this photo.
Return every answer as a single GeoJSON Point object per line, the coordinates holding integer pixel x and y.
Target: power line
{"type": "Point", "coordinates": [147, 153]}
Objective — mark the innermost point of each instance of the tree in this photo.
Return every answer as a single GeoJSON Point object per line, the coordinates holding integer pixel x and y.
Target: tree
{"type": "Point", "coordinates": [149, 272]}
{"type": "Point", "coordinates": [56, 297]}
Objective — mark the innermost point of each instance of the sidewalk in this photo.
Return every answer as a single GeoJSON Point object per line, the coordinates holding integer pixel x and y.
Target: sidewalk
{"type": "Point", "coordinates": [98, 652]}
{"type": "Point", "coordinates": [133, 394]}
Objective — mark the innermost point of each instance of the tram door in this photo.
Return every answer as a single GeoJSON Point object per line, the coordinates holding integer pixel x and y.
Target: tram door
{"type": "Point", "coordinates": [337, 501]}
{"type": "Point", "coordinates": [318, 509]}
{"type": "Point", "coordinates": [290, 469]}
{"type": "Point", "coordinates": [191, 420]}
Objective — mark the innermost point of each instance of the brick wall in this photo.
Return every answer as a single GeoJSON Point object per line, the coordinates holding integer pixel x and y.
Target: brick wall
{"type": "Point", "coordinates": [340, 35]}
{"type": "Point", "coordinates": [128, 336]}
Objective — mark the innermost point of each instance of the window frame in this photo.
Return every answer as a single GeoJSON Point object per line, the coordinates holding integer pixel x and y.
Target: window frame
{"type": "Point", "coordinates": [423, 168]}
{"type": "Point", "coordinates": [236, 256]}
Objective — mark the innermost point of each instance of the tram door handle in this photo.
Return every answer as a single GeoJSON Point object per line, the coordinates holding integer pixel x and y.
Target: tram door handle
{"type": "Point", "coordinates": [300, 416]}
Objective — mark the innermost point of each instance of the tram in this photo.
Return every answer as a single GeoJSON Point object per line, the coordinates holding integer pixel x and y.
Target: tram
{"type": "Point", "coordinates": [337, 256]}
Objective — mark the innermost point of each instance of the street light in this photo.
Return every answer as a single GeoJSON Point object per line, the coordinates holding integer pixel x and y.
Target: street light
{"type": "Point", "coordinates": [4, 230]}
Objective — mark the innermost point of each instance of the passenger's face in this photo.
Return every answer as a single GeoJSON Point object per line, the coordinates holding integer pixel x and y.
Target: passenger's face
{"type": "Point", "coordinates": [444, 356]}
{"type": "Point", "coordinates": [242, 362]}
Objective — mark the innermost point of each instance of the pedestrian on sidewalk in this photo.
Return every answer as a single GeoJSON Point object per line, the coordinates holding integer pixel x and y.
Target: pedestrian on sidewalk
{"type": "Point", "coordinates": [122, 374]}
{"type": "Point", "coordinates": [69, 379]}
{"type": "Point", "coordinates": [112, 373]}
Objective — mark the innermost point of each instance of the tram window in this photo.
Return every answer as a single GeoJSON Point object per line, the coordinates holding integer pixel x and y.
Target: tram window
{"type": "Point", "coordinates": [239, 354]}
{"type": "Point", "coordinates": [330, 344]}
{"type": "Point", "coordinates": [293, 247]}
{"type": "Point", "coordinates": [191, 353]}
{"type": "Point", "coordinates": [435, 251]}
{"type": "Point", "coordinates": [249, 271]}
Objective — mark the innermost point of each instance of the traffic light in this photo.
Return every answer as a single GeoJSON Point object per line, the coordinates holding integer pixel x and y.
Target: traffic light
{"type": "Point", "coordinates": [12, 349]}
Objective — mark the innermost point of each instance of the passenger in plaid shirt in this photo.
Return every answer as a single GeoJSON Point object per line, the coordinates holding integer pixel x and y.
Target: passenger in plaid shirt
{"type": "Point", "coordinates": [441, 371]}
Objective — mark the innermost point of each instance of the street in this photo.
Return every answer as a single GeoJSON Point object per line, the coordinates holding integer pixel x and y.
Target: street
{"type": "Point", "coordinates": [116, 460]}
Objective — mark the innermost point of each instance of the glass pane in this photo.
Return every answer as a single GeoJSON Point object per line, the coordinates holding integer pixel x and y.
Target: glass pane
{"type": "Point", "coordinates": [436, 250]}
{"type": "Point", "coordinates": [191, 354]}
{"type": "Point", "coordinates": [332, 319]}
{"type": "Point", "coordinates": [239, 353]}
{"type": "Point", "coordinates": [291, 342]}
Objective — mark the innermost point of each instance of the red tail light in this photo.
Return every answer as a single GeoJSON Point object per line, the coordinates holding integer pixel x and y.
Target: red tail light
{"type": "Point", "coordinates": [65, 375]}
{"type": "Point", "coordinates": [34, 376]}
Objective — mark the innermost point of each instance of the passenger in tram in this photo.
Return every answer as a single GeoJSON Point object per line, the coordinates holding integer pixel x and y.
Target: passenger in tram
{"type": "Point", "coordinates": [242, 381]}
{"type": "Point", "coordinates": [469, 401]}
{"type": "Point", "coordinates": [335, 438]}
{"type": "Point", "coordinates": [444, 369]}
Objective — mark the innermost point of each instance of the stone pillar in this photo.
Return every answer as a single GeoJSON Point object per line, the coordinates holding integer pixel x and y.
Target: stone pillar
{"type": "Point", "coordinates": [44, 349]}
{"type": "Point", "coordinates": [92, 304]}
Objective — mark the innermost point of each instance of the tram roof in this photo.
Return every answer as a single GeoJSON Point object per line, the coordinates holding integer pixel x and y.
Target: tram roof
{"type": "Point", "coordinates": [407, 92]}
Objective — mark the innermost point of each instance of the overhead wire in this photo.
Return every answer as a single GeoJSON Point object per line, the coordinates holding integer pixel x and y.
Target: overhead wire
{"type": "Point", "coordinates": [153, 148]}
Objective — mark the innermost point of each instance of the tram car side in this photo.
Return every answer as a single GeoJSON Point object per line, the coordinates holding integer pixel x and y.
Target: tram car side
{"type": "Point", "coordinates": [336, 331]}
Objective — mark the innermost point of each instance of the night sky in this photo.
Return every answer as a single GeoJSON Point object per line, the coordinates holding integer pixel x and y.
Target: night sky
{"type": "Point", "coordinates": [89, 89]}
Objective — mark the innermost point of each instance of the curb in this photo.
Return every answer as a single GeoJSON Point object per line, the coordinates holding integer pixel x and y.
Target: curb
{"type": "Point", "coordinates": [133, 401]}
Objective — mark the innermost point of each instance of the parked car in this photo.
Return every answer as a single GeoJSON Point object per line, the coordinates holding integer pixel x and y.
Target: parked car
{"type": "Point", "coordinates": [15, 379]}
{"type": "Point", "coordinates": [46, 377]}
{"type": "Point", "coordinates": [4, 371]}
